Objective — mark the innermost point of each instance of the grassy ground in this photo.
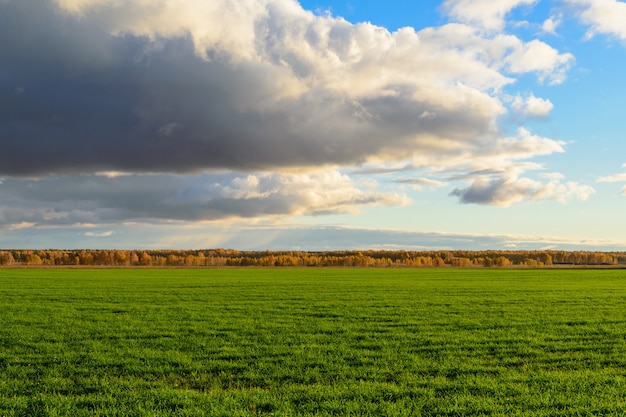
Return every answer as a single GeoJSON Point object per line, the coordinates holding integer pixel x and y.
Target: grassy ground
{"type": "Point", "coordinates": [305, 342]}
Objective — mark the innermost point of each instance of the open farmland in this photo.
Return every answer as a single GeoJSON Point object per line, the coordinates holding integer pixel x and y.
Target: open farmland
{"type": "Point", "coordinates": [316, 341]}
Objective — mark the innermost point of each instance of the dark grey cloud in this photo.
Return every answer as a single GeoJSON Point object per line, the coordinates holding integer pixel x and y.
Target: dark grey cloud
{"type": "Point", "coordinates": [507, 188]}
{"type": "Point", "coordinates": [484, 192]}
{"type": "Point", "coordinates": [76, 99]}
{"type": "Point", "coordinates": [91, 92]}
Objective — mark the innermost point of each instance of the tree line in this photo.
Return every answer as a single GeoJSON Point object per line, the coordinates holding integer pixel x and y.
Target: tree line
{"type": "Point", "coordinates": [367, 258]}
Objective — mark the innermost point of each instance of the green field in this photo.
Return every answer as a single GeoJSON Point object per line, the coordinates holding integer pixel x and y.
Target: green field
{"type": "Point", "coordinates": [312, 342]}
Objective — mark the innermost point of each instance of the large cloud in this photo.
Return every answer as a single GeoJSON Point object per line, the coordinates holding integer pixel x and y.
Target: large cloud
{"type": "Point", "coordinates": [144, 86]}
{"type": "Point", "coordinates": [208, 110]}
{"type": "Point", "coordinates": [108, 199]}
{"type": "Point", "coordinates": [497, 181]}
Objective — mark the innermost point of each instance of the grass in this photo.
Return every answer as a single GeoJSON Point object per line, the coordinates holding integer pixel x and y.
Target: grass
{"type": "Point", "coordinates": [312, 342]}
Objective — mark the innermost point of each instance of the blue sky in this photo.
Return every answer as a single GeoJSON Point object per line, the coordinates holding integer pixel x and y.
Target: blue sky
{"type": "Point", "coordinates": [313, 125]}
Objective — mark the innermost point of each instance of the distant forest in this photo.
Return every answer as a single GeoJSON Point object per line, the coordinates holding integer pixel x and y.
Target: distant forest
{"type": "Point", "coordinates": [366, 258]}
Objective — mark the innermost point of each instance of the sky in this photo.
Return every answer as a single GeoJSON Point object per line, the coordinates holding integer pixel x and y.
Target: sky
{"type": "Point", "coordinates": [313, 125]}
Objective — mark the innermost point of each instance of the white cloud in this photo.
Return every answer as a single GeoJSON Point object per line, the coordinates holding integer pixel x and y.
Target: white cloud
{"type": "Point", "coordinates": [532, 106]}
{"type": "Point", "coordinates": [305, 194]}
{"type": "Point", "coordinates": [101, 234]}
{"type": "Point", "coordinates": [551, 24]}
{"type": "Point", "coordinates": [541, 58]}
{"type": "Point", "coordinates": [606, 17]}
{"type": "Point", "coordinates": [621, 177]}
{"type": "Point", "coordinates": [613, 178]}
{"type": "Point", "coordinates": [487, 14]}
{"type": "Point", "coordinates": [563, 192]}
{"type": "Point", "coordinates": [524, 145]}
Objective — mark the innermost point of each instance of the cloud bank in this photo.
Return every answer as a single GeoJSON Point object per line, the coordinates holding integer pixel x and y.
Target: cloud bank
{"type": "Point", "coordinates": [98, 199]}
{"type": "Point", "coordinates": [141, 86]}
{"type": "Point", "coordinates": [253, 108]}
{"type": "Point", "coordinates": [291, 237]}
